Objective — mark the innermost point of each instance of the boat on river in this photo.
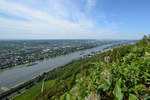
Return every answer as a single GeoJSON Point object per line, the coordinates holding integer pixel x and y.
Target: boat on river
{"type": "Point", "coordinates": [31, 64]}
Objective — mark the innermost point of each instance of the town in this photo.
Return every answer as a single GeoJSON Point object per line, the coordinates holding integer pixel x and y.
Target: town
{"type": "Point", "coordinates": [18, 52]}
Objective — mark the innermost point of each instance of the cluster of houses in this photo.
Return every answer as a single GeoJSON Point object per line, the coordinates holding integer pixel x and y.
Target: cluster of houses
{"type": "Point", "coordinates": [28, 54]}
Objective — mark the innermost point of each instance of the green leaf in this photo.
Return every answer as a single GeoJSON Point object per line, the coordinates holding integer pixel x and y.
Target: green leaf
{"type": "Point", "coordinates": [132, 97]}
{"type": "Point", "coordinates": [147, 98]}
{"type": "Point", "coordinates": [106, 85]}
{"type": "Point", "coordinates": [66, 96]}
{"type": "Point", "coordinates": [140, 88]}
{"type": "Point", "coordinates": [117, 91]}
{"type": "Point", "coordinates": [108, 82]}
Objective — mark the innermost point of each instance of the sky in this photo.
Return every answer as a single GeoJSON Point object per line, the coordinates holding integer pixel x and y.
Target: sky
{"type": "Point", "coordinates": [74, 19]}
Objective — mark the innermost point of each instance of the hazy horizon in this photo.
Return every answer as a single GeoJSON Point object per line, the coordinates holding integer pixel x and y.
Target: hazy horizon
{"type": "Point", "coordinates": [68, 39]}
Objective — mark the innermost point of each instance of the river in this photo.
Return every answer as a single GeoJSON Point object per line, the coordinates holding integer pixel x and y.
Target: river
{"type": "Point", "coordinates": [14, 76]}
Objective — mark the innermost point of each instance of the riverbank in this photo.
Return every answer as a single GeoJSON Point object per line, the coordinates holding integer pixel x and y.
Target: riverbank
{"type": "Point", "coordinates": [35, 82]}
{"type": "Point", "coordinates": [47, 56]}
{"type": "Point", "coordinates": [66, 65]}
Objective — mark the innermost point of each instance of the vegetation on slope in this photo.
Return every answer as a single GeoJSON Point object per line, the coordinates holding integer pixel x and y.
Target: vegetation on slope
{"type": "Point", "coordinates": [121, 74]}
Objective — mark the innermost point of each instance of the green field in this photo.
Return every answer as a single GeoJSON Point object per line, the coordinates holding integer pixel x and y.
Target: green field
{"type": "Point", "coordinates": [33, 91]}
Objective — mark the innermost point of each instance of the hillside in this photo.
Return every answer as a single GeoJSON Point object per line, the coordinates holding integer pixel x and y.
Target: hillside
{"type": "Point", "coordinates": [121, 74]}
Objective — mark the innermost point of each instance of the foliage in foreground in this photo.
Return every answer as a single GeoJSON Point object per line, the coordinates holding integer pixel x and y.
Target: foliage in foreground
{"type": "Point", "coordinates": [127, 78]}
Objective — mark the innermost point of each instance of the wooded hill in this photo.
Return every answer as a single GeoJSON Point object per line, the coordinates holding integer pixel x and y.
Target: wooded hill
{"type": "Point", "coordinates": [119, 74]}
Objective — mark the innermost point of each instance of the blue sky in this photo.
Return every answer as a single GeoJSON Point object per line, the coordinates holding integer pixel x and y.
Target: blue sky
{"type": "Point", "coordinates": [74, 19]}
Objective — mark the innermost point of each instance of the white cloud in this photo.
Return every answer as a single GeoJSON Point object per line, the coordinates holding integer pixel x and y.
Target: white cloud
{"type": "Point", "coordinates": [91, 3]}
{"type": "Point", "coordinates": [53, 21]}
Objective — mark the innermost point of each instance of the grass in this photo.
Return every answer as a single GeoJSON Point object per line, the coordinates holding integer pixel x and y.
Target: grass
{"type": "Point", "coordinates": [33, 91]}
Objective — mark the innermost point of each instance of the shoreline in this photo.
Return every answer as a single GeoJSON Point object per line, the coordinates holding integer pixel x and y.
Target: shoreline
{"type": "Point", "coordinates": [22, 65]}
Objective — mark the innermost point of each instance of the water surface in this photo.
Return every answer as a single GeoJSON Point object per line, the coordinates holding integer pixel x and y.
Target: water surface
{"type": "Point", "coordinates": [11, 77]}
